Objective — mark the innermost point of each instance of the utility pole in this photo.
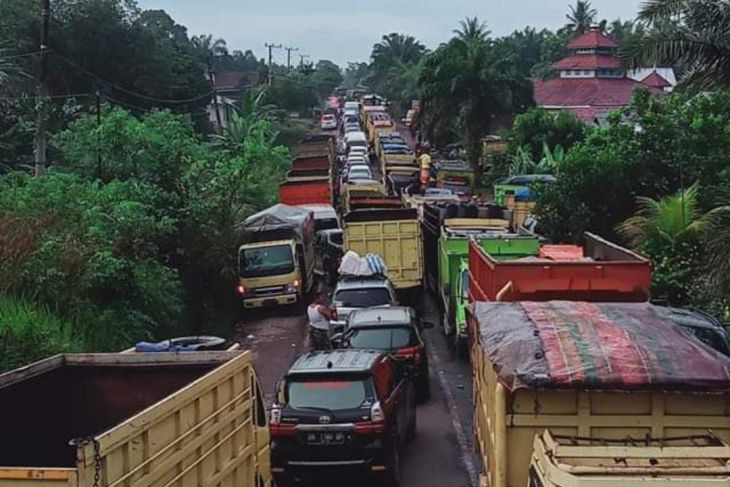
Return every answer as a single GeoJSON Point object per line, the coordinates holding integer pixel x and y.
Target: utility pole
{"type": "Point", "coordinates": [271, 47]}
{"type": "Point", "coordinates": [288, 56]}
{"type": "Point", "coordinates": [41, 142]}
{"type": "Point", "coordinates": [302, 57]}
{"type": "Point", "coordinates": [211, 76]}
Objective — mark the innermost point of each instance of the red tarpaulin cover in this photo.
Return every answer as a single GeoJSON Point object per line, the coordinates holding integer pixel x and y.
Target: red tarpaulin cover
{"type": "Point", "coordinates": [578, 345]}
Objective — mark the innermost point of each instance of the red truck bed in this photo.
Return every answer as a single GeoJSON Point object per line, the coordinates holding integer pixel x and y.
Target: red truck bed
{"type": "Point", "coordinates": [309, 163]}
{"type": "Point", "coordinates": [305, 193]}
{"type": "Point", "coordinates": [607, 273]}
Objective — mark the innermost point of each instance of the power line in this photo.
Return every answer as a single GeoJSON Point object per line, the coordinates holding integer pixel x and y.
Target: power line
{"type": "Point", "coordinates": [52, 97]}
{"type": "Point", "coordinates": [133, 93]}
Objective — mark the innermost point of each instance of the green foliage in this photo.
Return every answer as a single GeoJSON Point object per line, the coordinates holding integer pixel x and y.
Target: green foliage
{"type": "Point", "coordinates": [396, 62]}
{"type": "Point", "coordinates": [467, 82]}
{"type": "Point", "coordinates": [522, 161]}
{"type": "Point", "coordinates": [538, 127]}
{"type": "Point", "coordinates": [29, 333]}
{"type": "Point", "coordinates": [91, 252]}
{"type": "Point", "coordinates": [688, 33]}
{"type": "Point", "coordinates": [580, 18]}
{"type": "Point", "coordinates": [155, 148]}
{"type": "Point", "coordinates": [669, 231]}
{"type": "Point", "coordinates": [657, 146]}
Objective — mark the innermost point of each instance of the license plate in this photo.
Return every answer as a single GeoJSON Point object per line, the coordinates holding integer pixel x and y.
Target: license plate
{"type": "Point", "coordinates": [325, 438]}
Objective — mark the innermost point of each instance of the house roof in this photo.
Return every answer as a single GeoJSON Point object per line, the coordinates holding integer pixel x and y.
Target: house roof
{"type": "Point", "coordinates": [585, 92]}
{"type": "Point", "coordinates": [593, 38]}
{"type": "Point", "coordinates": [234, 79]}
{"type": "Point", "coordinates": [655, 80]}
{"type": "Point", "coordinates": [588, 61]}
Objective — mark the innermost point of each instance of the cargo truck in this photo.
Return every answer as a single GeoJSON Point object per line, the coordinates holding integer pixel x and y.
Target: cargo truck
{"type": "Point", "coordinates": [433, 213]}
{"type": "Point", "coordinates": [306, 192]}
{"type": "Point", "coordinates": [603, 272]}
{"type": "Point", "coordinates": [453, 271]}
{"type": "Point", "coordinates": [577, 394]}
{"type": "Point", "coordinates": [138, 419]}
{"type": "Point", "coordinates": [393, 234]}
{"type": "Point", "coordinates": [277, 257]}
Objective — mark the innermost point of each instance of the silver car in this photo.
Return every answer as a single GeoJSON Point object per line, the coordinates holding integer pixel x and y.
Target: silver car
{"type": "Point", "coordinates": [356, 292]}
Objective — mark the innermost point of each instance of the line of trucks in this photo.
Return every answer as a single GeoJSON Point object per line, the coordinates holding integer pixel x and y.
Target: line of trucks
{"type": "Point", "coordinates": [578, 380]}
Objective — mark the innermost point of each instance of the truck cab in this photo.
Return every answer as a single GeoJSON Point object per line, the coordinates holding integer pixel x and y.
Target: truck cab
{"type": "Point", "coordinates": [276, 262]}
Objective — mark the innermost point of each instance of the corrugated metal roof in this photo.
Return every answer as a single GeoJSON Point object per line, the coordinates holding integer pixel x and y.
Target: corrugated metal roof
{"type": "Point", "coordinates": [585, 92]}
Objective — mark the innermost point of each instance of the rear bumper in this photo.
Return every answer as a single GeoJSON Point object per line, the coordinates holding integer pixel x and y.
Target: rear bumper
{"type": "Point", "coordinates": [269, 301]}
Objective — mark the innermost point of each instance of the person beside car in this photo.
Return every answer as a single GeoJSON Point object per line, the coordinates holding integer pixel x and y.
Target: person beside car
{"type": "Point", "coordinates": [319, 315]}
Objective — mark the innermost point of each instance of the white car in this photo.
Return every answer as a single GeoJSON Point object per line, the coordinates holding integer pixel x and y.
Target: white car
{"type": "Point", "coordinates": [358, 150]}
{"type": "Point", "coordinates": [359, 172]}
{"type": "Point", "coordinates": [328, 122]}
{"type": "Point", "coordinates": [357, 157]}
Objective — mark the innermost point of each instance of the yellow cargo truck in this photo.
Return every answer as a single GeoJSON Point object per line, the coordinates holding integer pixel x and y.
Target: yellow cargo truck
{"type": "Point", "coordinates": [136, 420]}
{"type": "Point", "coordinates": [394, 235]}
{"type": "Point", "coordinates": [596, 394]}
{"type": "Point", "coordinates": [276, 260]}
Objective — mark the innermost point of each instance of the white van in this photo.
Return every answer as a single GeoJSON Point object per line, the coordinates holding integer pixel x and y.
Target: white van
{"type": "Point", "coordinates": [356, 139]}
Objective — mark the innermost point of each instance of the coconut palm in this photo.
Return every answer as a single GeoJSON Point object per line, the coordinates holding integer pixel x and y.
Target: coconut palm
{"type": "Point", "coordinates": [581, 17]}
{"type": "Point", "coordinates": [397, 48]}
{"type": "Point", "coordinates": [247, 119]}
{"type": "Point", "coordinates": [472, 29]}
{"type": "Point", "coordinates": [665, 221]}
{"type": "Point", "coordinates": [207, 48]}
{"type": "Point", "coordinates": [693, 34]}
{"type": "Point", "coordinates": [467, 82]}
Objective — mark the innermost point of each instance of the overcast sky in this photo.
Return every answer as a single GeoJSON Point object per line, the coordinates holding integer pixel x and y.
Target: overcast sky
{"type": "Point", "coordinates": [345, 30]}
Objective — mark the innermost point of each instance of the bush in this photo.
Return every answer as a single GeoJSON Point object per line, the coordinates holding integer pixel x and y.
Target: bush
{"type": "Point", "coordinates": [537, 127]}
{"type": "Point", "coordinates": [29, 332]}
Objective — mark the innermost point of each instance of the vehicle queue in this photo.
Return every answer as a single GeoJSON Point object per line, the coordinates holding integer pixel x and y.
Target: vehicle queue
{"type": "Point", "coordinates": [543, 324]}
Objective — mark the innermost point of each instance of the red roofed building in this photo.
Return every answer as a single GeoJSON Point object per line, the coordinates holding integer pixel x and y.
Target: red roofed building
{"type": "Point", "coordinates": [656, 80]}
{"type": "Point", "coordinates": [591, 81]}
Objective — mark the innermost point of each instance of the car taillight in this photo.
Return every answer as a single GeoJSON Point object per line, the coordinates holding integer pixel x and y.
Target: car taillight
{"type": "Point", "coordinates": [376, 423]}
{"type": "Point", "coordinates": [282, 429]}
{"type": "Point", "coordinates": [412, 353]}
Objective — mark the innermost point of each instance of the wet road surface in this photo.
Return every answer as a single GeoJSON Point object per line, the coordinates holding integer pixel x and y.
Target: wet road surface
{"type": "Point", "coordinates": [442, 453]}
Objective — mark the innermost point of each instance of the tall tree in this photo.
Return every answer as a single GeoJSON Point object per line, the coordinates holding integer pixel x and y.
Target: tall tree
{"type": "Point", "coordinates": [466, 83]}
{"type": "Point", "coordinates": [394, 55]}
{"type": "Point", "coordinates": [581, 17]}
{"type": "Point", "coordinates": [693, 34]}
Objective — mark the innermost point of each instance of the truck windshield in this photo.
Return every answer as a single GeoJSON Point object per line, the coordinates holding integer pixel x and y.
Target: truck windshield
{"type": "Point", "coordinates": [362, 298]}
{"type": "Point", "coordinates": [266, 261]}
{"type": "Point", "coordinates": [381, 338]}
{"type": "Point", "coordinates": [329, 394]}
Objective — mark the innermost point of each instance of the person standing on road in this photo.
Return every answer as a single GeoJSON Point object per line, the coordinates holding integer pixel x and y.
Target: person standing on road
{"type": "Point", "coordinates": [425, 160]}
{"type": "Point", "coordinates": [319, 315]}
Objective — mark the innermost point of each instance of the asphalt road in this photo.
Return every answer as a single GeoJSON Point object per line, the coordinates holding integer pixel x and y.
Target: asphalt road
{"type": "Point", "coordinates": [442, 453]}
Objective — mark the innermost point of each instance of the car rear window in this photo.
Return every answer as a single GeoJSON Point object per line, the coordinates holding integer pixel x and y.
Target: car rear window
{"type": "Point", "coordinates": [382, 338]}
{"type": "Point", "coordinates": [332, 395]}
{"type": "Point", "coordinates": [362, 298]}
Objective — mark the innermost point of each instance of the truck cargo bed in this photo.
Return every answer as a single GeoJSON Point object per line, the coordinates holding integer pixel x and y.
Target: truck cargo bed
{"type": "Point", "coordinates": [141, 419]}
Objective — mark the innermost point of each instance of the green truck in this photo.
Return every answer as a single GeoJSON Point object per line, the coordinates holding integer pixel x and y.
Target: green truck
{"type": "Point", "coordinates": [454, 268]}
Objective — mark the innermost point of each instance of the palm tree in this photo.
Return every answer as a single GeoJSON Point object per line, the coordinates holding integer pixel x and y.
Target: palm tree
{"type": "Point", "coordinates": [397, 48]}
{"type": "Point", "coordinates": [693, 34]}
{"type": "Point", "coordinates": [207, 48]}
{"type": "Point", "coordinates": [467, 82]}
{"type": "Point", "coordinates": [665, 221]}
{"type": "Point", "coordinates": [581, 17]}
{"type": "Point", "coordinates": [8, 68]}
{"type": "Point", "coordinates": [253, 115]}
{"type": "Point", "coordinates": [472, 29]}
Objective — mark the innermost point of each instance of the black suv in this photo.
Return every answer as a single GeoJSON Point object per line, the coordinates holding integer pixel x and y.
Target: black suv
{"type": "Point", "coordinates": [395, 330]}
{"type": "Point", "coordinates": [342, 409]}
